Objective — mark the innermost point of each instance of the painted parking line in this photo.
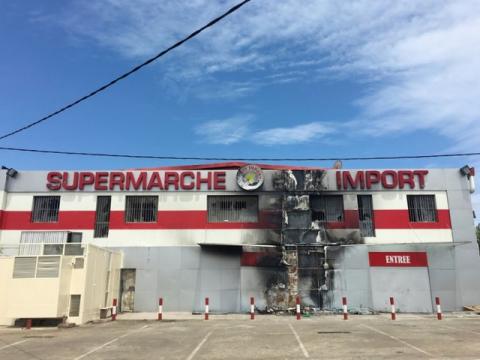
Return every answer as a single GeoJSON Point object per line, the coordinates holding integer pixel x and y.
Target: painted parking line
{"type": "Point", "coordinates": [302, 347]}
{"type": "Point", "coordinates": [204, 340]}
{"type": "Point", "coordinates": [15, 343]}
{"type": "Point", "coordinates": [109, 342]}
{"type": "Point", "coordinates": [397, 339]}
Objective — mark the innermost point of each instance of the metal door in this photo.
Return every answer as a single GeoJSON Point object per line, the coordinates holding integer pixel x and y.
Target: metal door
{"type": "Point", "coordinates": [127, 289]}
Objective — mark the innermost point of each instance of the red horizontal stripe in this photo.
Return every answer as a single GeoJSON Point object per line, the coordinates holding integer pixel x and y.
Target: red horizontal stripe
{"type": "Point", "coordinates": [198, 219]}
{"type": "Point", "coordinates": [399, 219]}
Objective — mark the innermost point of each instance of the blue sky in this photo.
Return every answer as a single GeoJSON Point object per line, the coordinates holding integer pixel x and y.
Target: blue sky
{"type": "Point", "coordinates": [276, 79]}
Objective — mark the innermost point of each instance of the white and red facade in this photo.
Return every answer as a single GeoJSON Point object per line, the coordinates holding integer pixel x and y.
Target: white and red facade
{"type": "Point", "coordinates": [183, 257]}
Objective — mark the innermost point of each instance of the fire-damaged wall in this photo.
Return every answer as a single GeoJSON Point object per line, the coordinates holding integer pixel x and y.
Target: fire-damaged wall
{"type": "Point", "coordinates": [312, 224]}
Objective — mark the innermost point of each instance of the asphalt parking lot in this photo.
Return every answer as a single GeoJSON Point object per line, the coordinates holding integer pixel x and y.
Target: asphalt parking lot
{"type": "Point", "coordinates": [266, 337]}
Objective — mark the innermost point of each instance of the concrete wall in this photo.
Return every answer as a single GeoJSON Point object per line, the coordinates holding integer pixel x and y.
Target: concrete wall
{"type": "Point", "coordinates": [50, 297]}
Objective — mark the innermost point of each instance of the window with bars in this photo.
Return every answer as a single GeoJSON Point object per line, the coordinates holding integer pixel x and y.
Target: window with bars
{"type": "Point", "coordinates": [365, 215]}
{"type": "Point", "coordinates": [327, 208]}
{"type": "Point", "coordinates": [141, 209]}
{"type": "Point", "coordinates": [45, 208]}
{"type": "Point", "coordinates": [232, 208]}
{"type": "Point", "coordinates": [102, 216]}
{"type": "Point", "coordinates": [422, 208]}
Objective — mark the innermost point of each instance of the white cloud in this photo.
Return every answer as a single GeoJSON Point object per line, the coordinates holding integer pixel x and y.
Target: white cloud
{"type": "Point", "coordinates": [239, 128]}
{"type": "Point", "coordinates": [224, 132]}
{"type": "Point", "coordinates": [418, 59]}
{"type": "Point", "coordinates": [292, 135]}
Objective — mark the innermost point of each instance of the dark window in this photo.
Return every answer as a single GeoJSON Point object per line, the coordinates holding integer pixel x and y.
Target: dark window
{"type": "Point", "coordinates": [327, 208]}
{"type": "Point", "coordinates": [45, 208]}
{"type": "Point", "coordinates": [232, 208]}
{"type": "Point", "coordinates": [102, 217]}
{"type": "Point", "coordinates": [141, 209]}
{"type": "Point", "coordinates": [422, 208]}
{"type": "Point", "coordinates": [74, 305]}
{"type": "Point", "coordinates": [365, 215]}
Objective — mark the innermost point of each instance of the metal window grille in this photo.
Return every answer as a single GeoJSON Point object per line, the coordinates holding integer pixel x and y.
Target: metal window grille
{"type": "Point", "coordinates": [48, 266]}
{"type": "Point", "coordinates": [327, 208]}
{"type": "Point", "coordinates": [141, 209]}
{"type": "Point", "coordinates": [35, 242]}
{"type": "Point", "coordinates": [365, 215]}
{"type": "Point", "coordinates": [422, 208]}
{"type": "Point", "coordinates": [24, 267]}
{"type": "Point", "coordinates": [74, 305]}
{"type": "Point", "coordinates": [45, 208]}
{"type": "Point", "coordinates": [102, 219]}
{"type": "Point", "coordinates": [232, 208]}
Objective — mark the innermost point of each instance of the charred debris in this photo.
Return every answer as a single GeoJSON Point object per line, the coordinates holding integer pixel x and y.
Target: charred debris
{"type": "Point", "coordinates": [313, 230]}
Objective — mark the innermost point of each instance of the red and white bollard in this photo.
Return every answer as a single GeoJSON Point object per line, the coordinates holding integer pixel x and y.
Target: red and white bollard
{"type": "Point", "coordinates": [298, 307]}
{"type": "Point", "coordinates": [160, 308]}
{"type": "Point", "coordinates": [345, 309]}
{"type": "Point", "coordinates": [439, 309]}
{"type": "Point", "coordinates": [392, 304]}
{"type": "Point", "coordinates": [206, 308]}
{"type": "Point", "coordinates": [114, 310]}
{"type": "Point", "coordinates": [28, 324]}
{"type": "Point", "coordinates": [252, 308]}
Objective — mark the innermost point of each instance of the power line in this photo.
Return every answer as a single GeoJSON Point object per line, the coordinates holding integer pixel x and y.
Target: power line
{"type": "Point", "coordinates": [128, 73]}
{"type": "Point", "coordinates": [168, 157]}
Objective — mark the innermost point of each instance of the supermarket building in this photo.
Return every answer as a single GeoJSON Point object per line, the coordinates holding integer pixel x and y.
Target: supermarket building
{"type": "Point", "coordinates": [72, 241]}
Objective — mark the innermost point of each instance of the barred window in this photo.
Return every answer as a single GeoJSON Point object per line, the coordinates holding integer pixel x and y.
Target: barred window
{"type": "Point", "coordinates": [365, 215]}
{"type": "Point", "coordinates": [327, 207]}
{"type": "Point", "coordinates": [102, 217]}
{"type": "Point", "coordinates": [422, 208]}
{"type": "Point", "coordinates": [232, 208]}
{"type": "Point", "coordinates": [141, 209]}
{"type": "Point", "coordinates": [45, 208]}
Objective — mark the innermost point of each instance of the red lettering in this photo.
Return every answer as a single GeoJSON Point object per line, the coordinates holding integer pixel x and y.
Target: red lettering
{"type": "Point", "coordinates": [101, 180]}
{"type": "Point", "coordinates": [191, 184]}
{"type": "Point", "coordinates": [74, 184]}
{"type": "Point", "coordinates": [372, 177]}
{"type": "Point", "coordinates": [86, 178]}
{"type": "Point", "coordinates": [339, 179]}
{"type": "Point", "coordinates": [117, 178]}
{"type": "Point", "coordinates": [421, 177]}
{"type": "Point", "coordinates": [349, 181]}
{"type": "Point", "coordinates": [393, 184]}
{"type": "Point", "coordinates": [219, 180]}
{"type": "Point", "coordinates": [54, 181]}
{"type": "Point", "coordinates": [406, 177]}
{"type": "Point", "coordinates": [141, 180]}
{"type": "Point", "coordinates": [155, 181]}
{"type": "Point", "coordinates": [207, 180]}
{"type": "Point", "coordinates": [171, 178]}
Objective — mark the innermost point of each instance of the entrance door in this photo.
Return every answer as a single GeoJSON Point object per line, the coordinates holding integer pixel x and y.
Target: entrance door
{"type": "Point", "coordinates": [127, 289]}
{"type": "Point", "coordinates": [409, 286]}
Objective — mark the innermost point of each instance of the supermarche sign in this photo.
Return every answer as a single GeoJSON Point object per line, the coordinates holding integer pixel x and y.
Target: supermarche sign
{"type": "Point", "coordinates": [398, 259]}
{"type": "Point", "coordinates": [143, 180]}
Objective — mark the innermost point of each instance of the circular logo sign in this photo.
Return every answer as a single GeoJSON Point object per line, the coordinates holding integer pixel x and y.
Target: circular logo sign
{"type": "Point", "coordinates": [250, 177]}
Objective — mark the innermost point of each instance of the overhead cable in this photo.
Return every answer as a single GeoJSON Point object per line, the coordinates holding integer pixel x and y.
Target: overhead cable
{"type": "Point", "coordinates": [128, 73]}
{"type": "Point", "coordinates": [207, 158]}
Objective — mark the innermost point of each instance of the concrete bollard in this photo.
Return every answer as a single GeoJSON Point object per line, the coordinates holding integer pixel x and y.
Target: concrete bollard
{"type": "Point", "coordinates": [114, 310]}
{"type": "Point", "coordinates": [345, 309]}
{"type": "Point", "coordinates": [252, 308]}
{"type": "Point", "coordinates": [392, 304]}
{"type": "Point", "coordinates": [439, 309]}
{"type": "Point", "coordinates": [206, 308]}
{"type": "Point", "coordinates": [297, 300]}
{"type": "Point", "coordinates": [160, 308]}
